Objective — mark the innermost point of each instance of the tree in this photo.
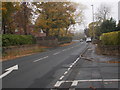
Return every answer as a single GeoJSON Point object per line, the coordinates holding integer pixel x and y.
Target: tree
{"type": "Point", "coordinates": [108, 26]}
{"type": "Point", "coordinates": [118, 26]}
{"type": "Point", "coordinates": [86, 31]}
{"type": "Point", "coordinates": [55, 15]}
{"type": "Point", "coordinates": [23, 16]}
{"type": "Point", "coordinates": [8, 9]}
{"type": "Point", "coordinates": [15, 15]}
{"type": "Point", "coordinates": [103, 12]}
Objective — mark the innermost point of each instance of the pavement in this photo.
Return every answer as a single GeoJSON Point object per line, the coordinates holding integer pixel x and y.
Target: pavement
{"type": "Point", "coordinates": [76, 66]}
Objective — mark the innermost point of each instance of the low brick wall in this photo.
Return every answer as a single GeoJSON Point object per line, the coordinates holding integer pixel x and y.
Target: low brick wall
{"type": "Point", "coordinates": [108, 50]}
{"type": "Point", "coordinates": [52, 42]}
{"type": "Point", "coordinates": [20, 50]}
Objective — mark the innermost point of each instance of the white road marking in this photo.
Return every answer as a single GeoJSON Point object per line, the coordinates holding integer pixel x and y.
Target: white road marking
{"type": "Point", "coordinates": [96, 80]}
{"type": "Point", "coordinates": [65, 72]}
{"type": "Point", "coordinates": [67, 49]}
{"type": "Point", "coordinates": [63, 50]}
{"type": "Point", "coordinates": [56, 53]}
{"type": "Point", "coordinates": [77, 59]}
{"type": "Point", "coordinates": [9, 70]}
{"type": "Point", "coordinates": [74, 83]}
{"type": "Point", "coordinates": [69, 68]}
{"type": "Point", "coordinates": [61, 77]}
{"type": "Point", "coordinates": [58, 83]}
{"type": "Point", "coordinates": [40, 59]}
{"type": "Point", "coordinates": [74, 62]}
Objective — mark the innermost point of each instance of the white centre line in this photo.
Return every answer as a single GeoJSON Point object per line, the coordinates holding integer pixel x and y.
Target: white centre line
{"type": "Point", "coordinates": [56, 53]}
{"type": "Point", "coordinates": [63, 50]}
{"type": "Point", "coordinates": [40, 59]}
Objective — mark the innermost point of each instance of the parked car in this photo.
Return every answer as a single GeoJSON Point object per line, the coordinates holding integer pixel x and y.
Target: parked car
{"type": "Point", "coordinates": [81, 40]}
{"type": "Point", "coordinates": [88, 39]}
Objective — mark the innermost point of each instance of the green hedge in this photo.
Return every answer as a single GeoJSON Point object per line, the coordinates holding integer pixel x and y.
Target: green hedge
{"type": "Point", "coordinates": [65, 39]}
{"type": "Point", "coordinates": [111, 38]}
{"type": "Point", "coordinates": [13, 40]}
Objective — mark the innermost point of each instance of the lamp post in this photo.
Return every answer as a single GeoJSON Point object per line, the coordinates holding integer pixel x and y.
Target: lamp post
{"type": "Point", "coordinates": [93, 21]}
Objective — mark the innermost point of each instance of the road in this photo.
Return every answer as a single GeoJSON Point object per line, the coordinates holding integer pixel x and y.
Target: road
{"type": "Point", "coordinates": [64, 67]}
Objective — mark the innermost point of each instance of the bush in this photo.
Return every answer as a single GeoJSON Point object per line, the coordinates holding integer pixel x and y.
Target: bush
{"type": "Point", "coordinates": [111, 38]}
{"type": "Point", "coordinates": [13, 40]}
{"type": "Point", "coordinates": [65, 39]}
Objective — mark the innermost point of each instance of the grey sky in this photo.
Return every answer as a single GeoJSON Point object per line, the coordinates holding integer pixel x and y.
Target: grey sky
{"type": "Point", "coordinates": [88, 12]}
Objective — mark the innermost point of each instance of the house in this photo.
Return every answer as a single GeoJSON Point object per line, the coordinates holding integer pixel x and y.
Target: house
{"type": "Point", "coordinates": [30, 31]}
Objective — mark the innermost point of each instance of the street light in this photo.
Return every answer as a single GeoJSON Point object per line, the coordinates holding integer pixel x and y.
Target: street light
{"type": "Point", "coordinates": [93, 21]}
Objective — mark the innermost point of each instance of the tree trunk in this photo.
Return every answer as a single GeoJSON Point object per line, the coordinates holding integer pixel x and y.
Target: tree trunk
{"type": "Point", "coordinates": [25, 17]}
{"type": "Point", "coordinates": [3, 26]}
{"type": "Point", "coordinates": [58, 32]}
{"type": "Point", "coordinates": [47, 32]}
{"type": "Point", "coordinates": [66, 31]}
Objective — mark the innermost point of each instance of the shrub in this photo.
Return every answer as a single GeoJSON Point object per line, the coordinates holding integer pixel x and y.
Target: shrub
{"type": "Point", "coordinates": [13, 40]}
{"type": "Point", "coordinates": [111, 38]}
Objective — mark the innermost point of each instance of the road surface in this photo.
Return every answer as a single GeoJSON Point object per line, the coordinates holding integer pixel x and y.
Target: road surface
{"type": "Point", "coordinates": [73, 66]}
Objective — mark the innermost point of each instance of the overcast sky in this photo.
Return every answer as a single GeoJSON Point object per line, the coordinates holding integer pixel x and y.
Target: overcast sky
{"type": "Point", "coordinates": [88, 11]}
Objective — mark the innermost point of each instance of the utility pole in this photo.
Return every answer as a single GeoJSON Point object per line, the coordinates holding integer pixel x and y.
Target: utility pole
{"type": "Point", "coordinates": [93, 21]}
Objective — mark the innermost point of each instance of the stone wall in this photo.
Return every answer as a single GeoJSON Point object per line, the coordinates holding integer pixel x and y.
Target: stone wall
{"type": "Point", "coordinates": [108, 50]}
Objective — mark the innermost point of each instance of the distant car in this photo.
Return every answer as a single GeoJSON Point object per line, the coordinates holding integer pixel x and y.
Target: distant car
{"type": "Point", "coordinates": [88, 39]}
{"type": "Point", "coordinates": [81, 40]}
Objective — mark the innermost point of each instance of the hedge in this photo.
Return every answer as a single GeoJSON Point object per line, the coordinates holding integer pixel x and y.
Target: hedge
{"type": "Point", "coordinates": [111, 38]}
{"type": "Point", "coordinates": [14, 40]}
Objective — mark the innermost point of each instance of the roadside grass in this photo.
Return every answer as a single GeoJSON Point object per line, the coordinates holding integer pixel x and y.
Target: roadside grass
{"type": "Point", "coordinates": [16, 54]}
{"type": "Point", "coordinates": [111, 62]}
{"type": "Point", "coordinates": [66, 44]}
{"type": "Point", "coordinates": [21, 53]}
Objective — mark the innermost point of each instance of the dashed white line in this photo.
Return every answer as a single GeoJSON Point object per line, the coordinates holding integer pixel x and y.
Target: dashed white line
{"type": "Point", "coordinates": [63, 50]}
{"type": "Point", "coordinates": [58, 83]}
{"type": "Point", "coordinates": [40, 59]}
{"type": "Point", "coordinates": [77, 59]}
{"type": "Point", "coordinates": [69, 68]}
{"type": "Point", "coordinates": [61, 77]}
{"type": "Point", "coordinates": [56, 53]}
{"type": "Point", "coordinates": [73, 64]}
{"type": "Point", "coordinates": [65, 72]}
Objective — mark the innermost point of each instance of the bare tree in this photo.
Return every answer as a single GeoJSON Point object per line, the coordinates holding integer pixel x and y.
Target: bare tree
{"type": "Point", "coordinates": [103, 12]}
